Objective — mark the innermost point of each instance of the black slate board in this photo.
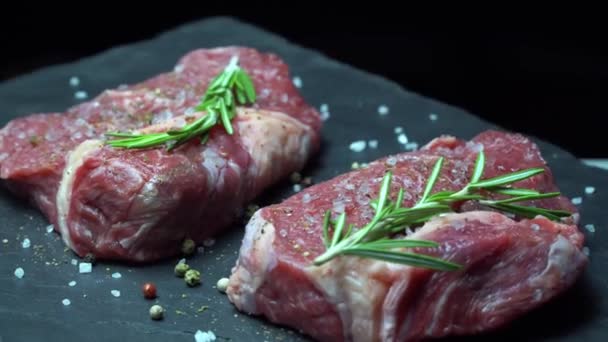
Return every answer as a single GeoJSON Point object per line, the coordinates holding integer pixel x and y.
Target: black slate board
{"type": "Point", "coordinates": [31, 308]}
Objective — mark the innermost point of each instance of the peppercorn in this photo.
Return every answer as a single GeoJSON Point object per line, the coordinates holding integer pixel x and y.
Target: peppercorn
{"type": "Point", "coordinates": [90, 258]}
{"type": "Point", "coordinates": [192, 278]}
{"type": "Point", "coordinates": [188, 247]}
{"type": "Point", "coordinates": [149, 291]}
{"type": "Point", "coordinates": [181, 269]}
{"type": "Point", "coordinates": [295, 177]}
{"type": "Point", "coordinates": [251, 209]}
{"type": "Point", "coordinates": [156, 312]}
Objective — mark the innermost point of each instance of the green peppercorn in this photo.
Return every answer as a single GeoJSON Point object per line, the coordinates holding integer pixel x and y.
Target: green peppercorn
{"type": "Point", "coordinates": [193, 278]}
{"type": "Point", "coordinates": [156, 312]}
{"type": "Point", "coordinates": [188, 247]}
{"type": "Point", "coordinates": [181, 269]}
{"type": "Point", "coordinates": [222, 284]}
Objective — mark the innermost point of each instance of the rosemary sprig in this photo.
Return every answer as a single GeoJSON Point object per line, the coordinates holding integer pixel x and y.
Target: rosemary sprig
{"type": "Point", "coordinates": [231, 87]}
{"type": "Point", "coordinates": [375, 239]}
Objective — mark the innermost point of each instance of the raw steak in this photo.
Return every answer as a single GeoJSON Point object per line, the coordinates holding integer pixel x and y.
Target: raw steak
{"type": "Point", "coordinates": [511, 265]}
{"type": "Point", "coordinates": [139, 205]}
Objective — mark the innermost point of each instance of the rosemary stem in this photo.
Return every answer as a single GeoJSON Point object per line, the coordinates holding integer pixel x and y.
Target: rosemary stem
{"type": "Point", "coordinates": [377, 239]}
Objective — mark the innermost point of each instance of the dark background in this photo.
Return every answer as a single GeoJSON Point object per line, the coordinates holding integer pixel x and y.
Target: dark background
{"type": "Point", "coordinates": [546, 80]}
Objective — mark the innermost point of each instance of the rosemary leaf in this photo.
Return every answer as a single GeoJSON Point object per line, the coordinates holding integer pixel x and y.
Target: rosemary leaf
{"type": "Point", "coordinates": [432, 179]}
{"type": "Point", "coordinates": [530, 212]}
{"type": "Point", "coordinates": [405, 243]}
{"type": "Point", "coordinates": [512, 191]}
{"type": "Point", "coordinates": [525, 198]}
{"type": "Point", "coordinates": [480, 163]}
{"type": "Point", "coordinates": [399, 200]}
{"type": "Point", "coordinates": [338, 229]}
{"type": "Point", "coordinates": [384, 193]}
{"type": "Point", "coordinates": [411, 259]}
{"type": "Point", "coordinates": [507, 179]}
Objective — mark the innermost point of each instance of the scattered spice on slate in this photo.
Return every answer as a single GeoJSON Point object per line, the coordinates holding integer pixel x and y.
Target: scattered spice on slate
{"type": "Point", "coordinates": [222, 284]}
{"type": "Point", "coordinates": [156, 312]}
{"type": "Point", "coordinates": [149, 291]}
{"type": "Point", "coordinates": [181, 269]}
{"type": "Point", "coordinates": [192, 278]}
{"type": "Point", "coordinates": [188, 247]}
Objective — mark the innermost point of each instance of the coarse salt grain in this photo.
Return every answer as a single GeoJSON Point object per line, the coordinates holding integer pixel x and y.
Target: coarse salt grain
{"type": "Point", "coordinates": [19, 272]}
{"type": "Point", "coordinates": [433, 117]}
{"type": "Point", "coordinates": [586, 251]}
{"type": "Point", "coordinates": [590, 228]}
{"type": "Point", "coordinates": [207, 336]}
{"type": "Point", "coordinates": [402, 139]}
{"type": "Point", "coordinates": [535, 227]}
{"type": "Point", "coordinates": [116, 275]}
{"type": "Point", "coordinates": [306, 198]}
{"type": "Point", "coordinates": [297, 82]}
{"type": "Point", "coordinates": [66, 302]}
{"type": "Point", "coordinates": [74, 262]}
{"type": "Point", "coordinates": [325, 116]}
{"type": "Point", "coordinates": [26, 243]}
{"type": "Point", "coordinates": [382, 110]}
{"type": "Point", "coordinates": [373, 143]}
{"type": "Point", "coordinates": [80, 95]}
{"type": "Point", "coordinates": [4, 240]}
{"type": "Point", "coordinates": [324, 108]}
{"type": "Point", "coordinates": [72, 283]}
{"type": "Point", "coordinates": [209, 242]}
{"type": "Point", "coordinates": [398, 129]}
{"type": "Point", "coordinates": [74, 81]}
{"type": "Point", "coordinates": [50, 228]}
{"type": "Point", "coordinates": [115, 293]}
{"type": "Point", "coordinates": [85, 267]}
{"type": "Point", "coordinates": [589, 190]}
{"type": "Point", "coordinates": [577, 200]}
{"type": "Point", "coordinates": [411, 146]}
{"type": "Point", "coordinates": [357, 146]}
{"type": "Point", "coordinates": [576, 217]}
{"type": "Point", "coordinates": [297, 187]}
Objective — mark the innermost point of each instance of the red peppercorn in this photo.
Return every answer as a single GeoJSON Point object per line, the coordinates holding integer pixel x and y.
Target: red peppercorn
{"type": "Point", "coordinates": [149, 291]}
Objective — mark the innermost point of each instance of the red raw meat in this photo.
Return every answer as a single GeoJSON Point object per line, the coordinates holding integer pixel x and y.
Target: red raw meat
{"type": "Point", "coordinates": [511, 265]}
{"type": "Point", "coordinates": [139, 205]}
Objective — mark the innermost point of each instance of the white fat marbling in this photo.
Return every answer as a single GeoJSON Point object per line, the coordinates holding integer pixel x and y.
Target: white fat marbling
{"type": "Point", "coordinates": [257, 259]}
{"type": "Point", "coordinates": [63, 200]}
